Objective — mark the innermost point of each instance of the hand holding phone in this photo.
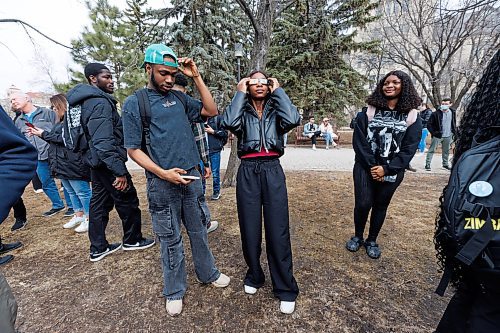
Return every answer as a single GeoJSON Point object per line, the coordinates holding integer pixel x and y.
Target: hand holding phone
{"type": "Point", "coordinates": [30, 125]}
{"type": "Point", "coordinates": [189, 177]}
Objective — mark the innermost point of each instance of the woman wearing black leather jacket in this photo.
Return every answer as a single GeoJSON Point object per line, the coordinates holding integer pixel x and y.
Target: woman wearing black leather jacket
{"type": "Point", "coordinates": [259, 114]}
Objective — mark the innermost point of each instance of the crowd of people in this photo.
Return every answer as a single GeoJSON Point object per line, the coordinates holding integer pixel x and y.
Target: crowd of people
{"type": "Point", "coordinates": [177, 139]}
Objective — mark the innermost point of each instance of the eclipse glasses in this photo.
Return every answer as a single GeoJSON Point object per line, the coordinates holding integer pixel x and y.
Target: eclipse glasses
{"type": "Point", "coordinates": [264, 82]}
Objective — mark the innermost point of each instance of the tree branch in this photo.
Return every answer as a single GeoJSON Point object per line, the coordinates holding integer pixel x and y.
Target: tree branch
{"type": "Point", "coordinates": [249, 14]}
{"type": "Point", "coordinates": [24, 24]}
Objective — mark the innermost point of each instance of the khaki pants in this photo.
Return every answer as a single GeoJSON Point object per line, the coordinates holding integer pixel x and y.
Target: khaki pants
{"type": "Point", "coordinates": [445, 143]}
{"type": "Point", "coordinates": [8, 307]}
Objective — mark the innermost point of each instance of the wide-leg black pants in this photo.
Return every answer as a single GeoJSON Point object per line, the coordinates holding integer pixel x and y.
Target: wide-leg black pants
{"type": "Point", "coordinates": [104, 198]}
{"type": "Point", "coordinates": [261, 187]}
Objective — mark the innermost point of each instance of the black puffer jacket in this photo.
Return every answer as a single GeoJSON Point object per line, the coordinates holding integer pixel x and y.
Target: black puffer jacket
{"type": "Point", "coordinates": [64, 163]}
{"type": "Point", "coordinates": [103, 126]}
{"type": "Point", "coordinates": [279, 117]}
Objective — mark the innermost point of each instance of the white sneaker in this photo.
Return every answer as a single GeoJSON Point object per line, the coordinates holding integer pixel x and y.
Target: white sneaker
{"type": "Point", "coordinates": [212, 226]}
{"type": "Point", "coordinates": [222, 281]}
{"type": "Point", "coordinates": [39, 191]}
{"type": "Point", "coordinates": [287, 307]}
{"type": "Point", "coordinates": [327, 148]}
{"type": "Point", "coordinates": [250, 290]}
{"type": "Point", "coordinates": [75, 220]}
{"type": "Point", "coordinates": [174, 307]}
{"type": "Point", "coordinates": [314, 147]}
{"type": "Point", "coordinates": [83, 227]}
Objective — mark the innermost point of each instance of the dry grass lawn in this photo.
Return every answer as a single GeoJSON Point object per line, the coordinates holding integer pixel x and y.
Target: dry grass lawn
{"type": "Point", "coordinates": [59, 290]}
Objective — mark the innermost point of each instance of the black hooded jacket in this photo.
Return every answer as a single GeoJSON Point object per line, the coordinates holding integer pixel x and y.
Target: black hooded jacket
{"type": "Point", "coordinates": [103, 126]}
{"type": "Point", "coordinates": [64, 163]}
{"type": "Point", "coordinates": [279, 117]}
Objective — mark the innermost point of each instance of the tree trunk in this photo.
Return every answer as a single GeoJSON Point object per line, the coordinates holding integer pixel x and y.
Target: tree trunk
{"type": "Point", "coordinates": [232, 166]}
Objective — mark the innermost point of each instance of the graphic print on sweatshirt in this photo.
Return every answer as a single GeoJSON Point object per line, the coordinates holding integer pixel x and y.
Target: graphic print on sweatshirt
{"type": "Point", "coordinates": [385, 134]}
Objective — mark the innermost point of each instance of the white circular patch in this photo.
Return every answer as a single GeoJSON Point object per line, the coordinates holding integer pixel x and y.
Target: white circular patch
{"type": "Point", "coordinates": [480, 188]}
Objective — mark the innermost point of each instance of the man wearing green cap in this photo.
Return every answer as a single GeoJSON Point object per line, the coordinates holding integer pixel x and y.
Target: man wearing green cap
{"type": "Point", "coordinates": [169, 154]}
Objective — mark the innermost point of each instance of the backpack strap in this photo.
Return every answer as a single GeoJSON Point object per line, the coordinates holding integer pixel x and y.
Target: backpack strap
{"type": "Point", "coordinates": [370, 112]}
{"type": "Point", "coordinates": [412, 117]}
{"type": "Point", "coordinates": [145, 111]}
{"type": "Point", "coordinates": [477, 243]}
{"type": "Point", "coordinates": [181, 97]}
{"type": "Point", "coordinates": [445, 280]}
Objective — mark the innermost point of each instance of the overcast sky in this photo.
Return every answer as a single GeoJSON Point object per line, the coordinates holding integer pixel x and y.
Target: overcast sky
{"type": "Point", "coordinates": [62, 20]}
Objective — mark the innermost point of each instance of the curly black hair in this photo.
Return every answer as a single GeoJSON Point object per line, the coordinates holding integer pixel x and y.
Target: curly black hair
{"type": "Point", "coordinates": [407, 100]}
{"type": "Point", "coordinates": [482, 112]}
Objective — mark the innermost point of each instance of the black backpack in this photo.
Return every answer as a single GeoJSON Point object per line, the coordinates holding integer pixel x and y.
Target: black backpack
{"type": "Point", "coordinates": [472, 209]}
{"type": "Point", "coordinates": [73, 132]}
{"type": "Point", "coordinates": [145, 111]}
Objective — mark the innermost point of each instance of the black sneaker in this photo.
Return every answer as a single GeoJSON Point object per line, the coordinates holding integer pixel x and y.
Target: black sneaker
{"type": "Point", "coordinates": [427, 168]}
{"type": "Point", "coordinates": [447, 167]}
{"type": "Point", "coordinates": [69, 212]}
{"type": "Point", "coordinates": [53, 211]}
{"type": "Point", "coordinates": [96, 256]}
{"type": "Point", "coordinates": [216, 196]}
{"type": "Point", "coordinates": [140, 245]}
{"type": "Point", "coordinates": [4, 248]}
{"type": "Point", "coordinates": [6, 259]}
{"type": "Point", "coordinates": [19, 224]}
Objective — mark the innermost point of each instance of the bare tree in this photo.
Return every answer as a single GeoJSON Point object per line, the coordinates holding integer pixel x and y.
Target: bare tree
{"type": "Point", "coordinates": [262, 15]}
{"type": "Point", "coordinates": [445, 49]}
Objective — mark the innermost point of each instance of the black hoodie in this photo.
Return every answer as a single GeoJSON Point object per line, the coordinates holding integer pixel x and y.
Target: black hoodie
{"type": "Point", "coordinates": [103, 126]}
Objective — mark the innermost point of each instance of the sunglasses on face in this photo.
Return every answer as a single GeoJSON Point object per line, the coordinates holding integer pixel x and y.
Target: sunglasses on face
{"type": "Point", "coordinates": [258, 81]}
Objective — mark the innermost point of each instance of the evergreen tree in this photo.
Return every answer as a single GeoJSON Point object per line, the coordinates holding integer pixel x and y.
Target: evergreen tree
{"type": "Point", "coordinates": [309, 44]}
{"type": "Point", "coordinates": [207, 31]}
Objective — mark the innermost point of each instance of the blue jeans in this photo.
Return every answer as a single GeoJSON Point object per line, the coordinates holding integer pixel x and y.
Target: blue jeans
{"type": "Point", "coordinates": [215, 165]}
{"type": "Point", "coordinates": [67, 197]}
{"type": "Point", "coordinates": [171, 205]}
{"type": "Point", "coordinates": [328, 138]}
{"type": "Point", "coordinates": [80, 194]}
{"type": "Point", "coordinates": [422, 144]}
{"type": "Point", "coordinates": [48, 184]}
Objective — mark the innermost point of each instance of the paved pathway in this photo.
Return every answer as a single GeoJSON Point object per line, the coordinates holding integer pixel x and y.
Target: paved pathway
{"type": "Point", "coordinates": [342, 159]}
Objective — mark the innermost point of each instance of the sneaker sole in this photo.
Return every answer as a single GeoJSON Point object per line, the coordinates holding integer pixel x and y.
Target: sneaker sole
{"type": "Point", "coordinates": [17, 229]}
{"type": "Point", "coordinates": [137, 247]}
{"type": "Point", "coordinates": [105, 254]}
{"type": "Point", "coordinates": [72, 226]}
{"type": "Point", "coordinates": [49, 215]}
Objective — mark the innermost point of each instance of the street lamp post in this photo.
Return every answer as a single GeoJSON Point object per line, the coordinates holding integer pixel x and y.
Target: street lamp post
{"type": "Point", "coordinates": [238, 53]}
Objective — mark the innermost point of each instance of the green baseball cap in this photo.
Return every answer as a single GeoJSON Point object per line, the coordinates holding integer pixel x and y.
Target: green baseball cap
{"type": "Point", "coordinates": [156, 52]}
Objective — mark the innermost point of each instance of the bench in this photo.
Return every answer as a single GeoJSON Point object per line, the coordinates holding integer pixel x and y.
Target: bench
{"type": "Point", "coordinates": [300, 138]}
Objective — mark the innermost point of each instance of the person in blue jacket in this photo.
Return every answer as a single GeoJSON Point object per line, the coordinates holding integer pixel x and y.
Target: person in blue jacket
{"type": "Point", "coordinates": [18, 160]}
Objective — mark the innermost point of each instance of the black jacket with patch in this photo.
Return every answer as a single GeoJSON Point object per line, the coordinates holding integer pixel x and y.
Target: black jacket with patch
{"type": "Point", "coordinates": [64, 163]}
